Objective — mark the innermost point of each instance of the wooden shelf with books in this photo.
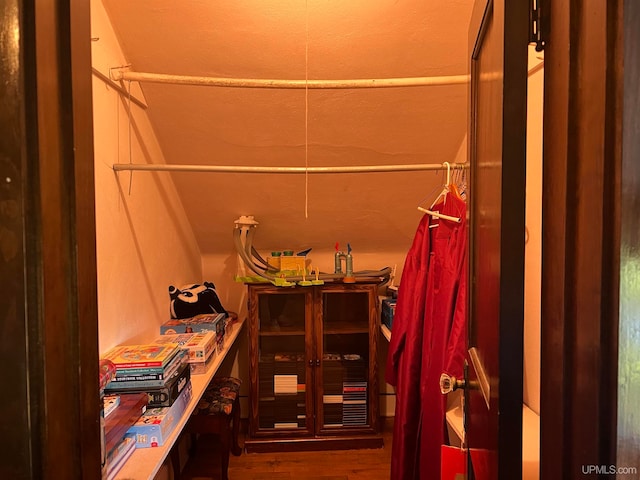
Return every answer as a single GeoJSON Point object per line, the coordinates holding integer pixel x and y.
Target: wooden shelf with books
{"type": "Point", "coordinates": [145, 463]}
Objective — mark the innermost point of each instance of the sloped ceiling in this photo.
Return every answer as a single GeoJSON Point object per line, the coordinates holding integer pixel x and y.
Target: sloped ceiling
{"type": "Point", "coordinates": [294, 39]}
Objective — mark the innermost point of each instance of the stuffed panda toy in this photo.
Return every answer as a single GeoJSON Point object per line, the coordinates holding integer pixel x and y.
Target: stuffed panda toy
{"type": "Point", "coordinates": [191, 300]}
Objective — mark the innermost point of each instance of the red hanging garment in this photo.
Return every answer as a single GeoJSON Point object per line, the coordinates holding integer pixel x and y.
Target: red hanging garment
{"type": "Point", "coordinates": [404, 358]}
{"type": "Point", "coordinates": [428, 338]}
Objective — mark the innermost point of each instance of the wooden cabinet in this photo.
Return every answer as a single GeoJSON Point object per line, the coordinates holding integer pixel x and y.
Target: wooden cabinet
{"type": "Point", "coordinates": [313, 367]}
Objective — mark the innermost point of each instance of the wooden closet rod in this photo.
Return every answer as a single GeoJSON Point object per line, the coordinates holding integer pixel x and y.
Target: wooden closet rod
{"type": "Point", "coordinates": [123, 74]}
{"type": "Point", "coordinates": [264, 169]}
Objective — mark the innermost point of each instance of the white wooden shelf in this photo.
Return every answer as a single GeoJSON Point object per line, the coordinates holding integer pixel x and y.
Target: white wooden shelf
{"type": "Point", "coordinates": [145, 463]}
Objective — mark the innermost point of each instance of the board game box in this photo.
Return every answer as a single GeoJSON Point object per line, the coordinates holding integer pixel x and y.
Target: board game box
{"type": "Point", "coordinates": [163, 396]}
{"type": "Point", "coordinates": [213, 322]}
{"type": "Point", "coordinates": [154, 427]}
{"type": "Point", "coordinates": [140, 356]}
{"type": "Point", "coordinates": [199, 345]}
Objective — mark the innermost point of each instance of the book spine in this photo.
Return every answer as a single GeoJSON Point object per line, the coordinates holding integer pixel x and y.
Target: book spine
{"type": "Point", "coordinates": [141, 364]}
{"type": "Point", "coordinates": [138, 371]}
{"type": "Point", "coordinates": [133, 385]}
{"type": "Point", "coordinates": [137, 378]}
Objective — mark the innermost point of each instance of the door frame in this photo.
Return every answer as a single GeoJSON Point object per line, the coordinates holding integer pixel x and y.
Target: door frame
{"type": "Point", "coordinates": [581, 239]}
{"type": "Point", "coordinates": [54, 406]}
{"type": "Point", "coordinates": [502, 426]}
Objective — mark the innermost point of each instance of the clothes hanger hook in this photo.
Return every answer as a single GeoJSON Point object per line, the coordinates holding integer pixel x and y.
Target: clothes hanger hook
{"type": "Point", "coordinates": [448, 165]}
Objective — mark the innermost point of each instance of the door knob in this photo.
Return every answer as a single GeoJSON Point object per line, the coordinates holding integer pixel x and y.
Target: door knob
{"type": "Point", "coordinates": [448, 384]}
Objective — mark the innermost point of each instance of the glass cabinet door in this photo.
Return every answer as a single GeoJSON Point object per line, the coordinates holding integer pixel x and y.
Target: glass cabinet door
{"type": "Point", "coordinates": [282, 383]}
{"type": "Point", "coordinates": [344, 382]}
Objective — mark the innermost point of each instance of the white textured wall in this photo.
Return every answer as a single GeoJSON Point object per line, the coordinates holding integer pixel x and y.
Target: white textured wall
{"type": "Point", "coordinates": [144, 242]}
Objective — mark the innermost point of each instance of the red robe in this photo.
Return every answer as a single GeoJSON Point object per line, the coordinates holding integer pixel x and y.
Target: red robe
{"type": "Point", "coordinates": [428, 338]}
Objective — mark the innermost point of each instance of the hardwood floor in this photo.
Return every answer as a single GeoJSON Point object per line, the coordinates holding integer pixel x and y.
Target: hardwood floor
{"type": "Point", "coordinates": [372, 464]}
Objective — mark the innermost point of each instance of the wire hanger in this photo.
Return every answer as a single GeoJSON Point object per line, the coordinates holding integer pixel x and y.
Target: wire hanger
{"type": "Point", "coordinates": [444, 193]}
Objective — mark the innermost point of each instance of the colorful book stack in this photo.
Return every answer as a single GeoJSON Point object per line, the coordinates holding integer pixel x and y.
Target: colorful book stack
{"type": "Point", "coordinates": [160, 371]}
{"type": "Point", "coordinates": [200, 348]}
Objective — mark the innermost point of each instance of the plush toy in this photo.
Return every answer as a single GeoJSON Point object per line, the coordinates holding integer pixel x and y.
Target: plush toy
{"type": "Point", "coordinates": [191, 300]}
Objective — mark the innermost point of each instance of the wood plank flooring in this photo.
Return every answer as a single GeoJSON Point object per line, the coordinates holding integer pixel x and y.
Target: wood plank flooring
{"type": "Point", "coordinates": [370, 464]}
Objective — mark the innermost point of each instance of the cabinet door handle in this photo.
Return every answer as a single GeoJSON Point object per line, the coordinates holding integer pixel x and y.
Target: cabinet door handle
{"type": "Point", "coordinates": [317, 362]}
{"type": "Point", "coordinates": [311, 362]}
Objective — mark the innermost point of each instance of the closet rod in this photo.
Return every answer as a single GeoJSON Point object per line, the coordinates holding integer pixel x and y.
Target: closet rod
{"type": "Point", "coordinates": [264, 169]}
{"type": "Point", "coordinates": [118, 88]}
{"type": "Point", "coordinates": [120, 74]}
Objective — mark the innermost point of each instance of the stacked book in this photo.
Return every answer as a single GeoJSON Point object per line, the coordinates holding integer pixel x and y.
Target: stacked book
{"type": "Point", "coordinates": [160, 375]}
{"type": "Point", "coordinates": [160, 371]}
{"type": "Point", "coordinates": [115, 419]}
